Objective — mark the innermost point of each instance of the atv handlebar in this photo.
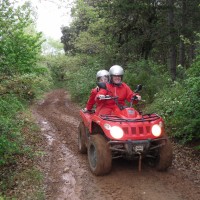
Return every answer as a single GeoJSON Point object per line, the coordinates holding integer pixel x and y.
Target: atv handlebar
{"type": "Point", "coordinates": [134, 98]}
{"type": "Point", "coordinates": [106, 97]}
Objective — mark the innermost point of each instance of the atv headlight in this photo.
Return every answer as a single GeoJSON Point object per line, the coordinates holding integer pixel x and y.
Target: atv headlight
{"type": "Point", "coordinates": [116, 132]}
{"type": "Point", "coordinates": [156, 130]}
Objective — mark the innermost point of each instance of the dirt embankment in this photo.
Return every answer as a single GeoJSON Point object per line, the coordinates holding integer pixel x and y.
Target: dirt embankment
{"type": "Point", "coordinates": [67, 174]}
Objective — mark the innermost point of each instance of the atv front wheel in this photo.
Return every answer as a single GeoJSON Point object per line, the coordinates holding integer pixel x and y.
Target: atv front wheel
{"type": "Point", "coordinates": [99, 155]}
{"type": "Point", "coordinates": [81, 138]}
{"type": "Point", "coordinates": [165, 157]}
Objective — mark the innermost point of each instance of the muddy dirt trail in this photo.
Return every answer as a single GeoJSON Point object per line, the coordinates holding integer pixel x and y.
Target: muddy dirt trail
{"type": "Point", "coordinates": [67, 174]}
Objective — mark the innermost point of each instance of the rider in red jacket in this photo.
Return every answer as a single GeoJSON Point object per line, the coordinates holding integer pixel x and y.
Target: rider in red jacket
{"type": "Point", "coordinates": [114, 88]}
{"type": "Point", "coordinates": [101, 76]}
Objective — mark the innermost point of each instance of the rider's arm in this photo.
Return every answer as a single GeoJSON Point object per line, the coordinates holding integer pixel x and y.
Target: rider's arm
{"type": "Point", "coordinates": [101, 92]}
{"type": "Point", "coordinates": [91, 101]}
{"type": "Point", "coordinates": [131, 94]}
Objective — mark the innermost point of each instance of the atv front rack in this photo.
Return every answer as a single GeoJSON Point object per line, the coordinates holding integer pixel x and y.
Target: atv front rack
{"type": "Point", "coordinates": [144, 118]}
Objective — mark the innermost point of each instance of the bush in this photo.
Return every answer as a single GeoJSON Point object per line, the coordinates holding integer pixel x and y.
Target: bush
{"type": "Point", "coordinates": [151, 75]}
{"type": "Point", "coordinates": [10, 139]}
{"type": "Point", "coordinates": [15, 93]}
{"type": "Point", "coordinates": [77, 74]}
{"type": "Point", "coordinates": [26, 86]}
{"type": "Point", "coordinates": [81, 82]}
{"type": "Point", "coordinates": [180, 106]}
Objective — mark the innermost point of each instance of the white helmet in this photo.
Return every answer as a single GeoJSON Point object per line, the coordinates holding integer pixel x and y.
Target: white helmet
{"type": "Point", "coordinates": [102, 73]}
{"type": "Point", "coordinates": [116, 70]}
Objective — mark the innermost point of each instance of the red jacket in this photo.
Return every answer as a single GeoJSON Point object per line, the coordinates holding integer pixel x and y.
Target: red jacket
{"type": "Point", "coordinates": [91, 101]}
{"type": "Point", "coordinates": [123, 92]}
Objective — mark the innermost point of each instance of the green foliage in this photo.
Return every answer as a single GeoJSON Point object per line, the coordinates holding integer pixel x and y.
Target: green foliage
{"type": "Point", "coordinates": [151, 75]}
{"type": "Point", "coordinates": [19, 49]}
{"type": "Point", "coordinates": [27, 86]}
{"type": "Point", "coordinates": [124, 31]}
{"type": "Point", "coordinates": [86, 43]}
{"type": "Point", "coordinates": [9, 127]}
{"type": "Point", "coordinates": [180, 106]}
{"type": "Point", "coordinates": [77, 74]}
{"type": "Point", "coordinates": [15, 93]}
{"type": "Point", "coordinates": [21, 79]}
{"type": "Point", "coordinates": [82, 79]}
{"type": "Point", "coordinates": [58, 65]}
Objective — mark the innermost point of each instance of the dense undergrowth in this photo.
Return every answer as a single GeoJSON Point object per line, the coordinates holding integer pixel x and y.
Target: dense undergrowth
{"type": "Point", "coordinates": [179, 104]}
{"type": "Point", "coordinates": [22, 81]}
{"type": "Point", "coordinates": [19, 135]}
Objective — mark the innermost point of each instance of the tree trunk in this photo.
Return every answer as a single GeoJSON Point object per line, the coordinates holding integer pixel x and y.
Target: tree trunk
{"type": "Point", "coordinates": [172, 43]}
{"type": "Point", "coordinates": [192, 51]}
{"type": "Point", "coordinates": [183, 26]}
{"type": "Point", "coordinates": [182, 53]}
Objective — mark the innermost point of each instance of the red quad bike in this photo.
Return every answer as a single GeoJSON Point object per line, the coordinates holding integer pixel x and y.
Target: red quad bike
{"type": "Point", "coordinates": [126, 133]}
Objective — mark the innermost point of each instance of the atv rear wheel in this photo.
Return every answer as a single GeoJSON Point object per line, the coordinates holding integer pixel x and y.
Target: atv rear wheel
{"type": "Point", "coordinates": [99, 155]}
{"type": "Point", "coordinates": [165, 157]}
{"type": "Point", "coordinates": [81, 138]}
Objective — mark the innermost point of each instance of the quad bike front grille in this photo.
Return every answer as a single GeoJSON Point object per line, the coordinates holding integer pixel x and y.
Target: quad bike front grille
{"type": "Point", "coordinates": [125, 129]}
{"type": "Point", "coordinates": [137, 130]}
{"type": "Point", "coordinates": [148, 129]}
{"type": "Point", "coordinates": [141, 130]}
{"type": "Point", "coordinates": [133, 130]}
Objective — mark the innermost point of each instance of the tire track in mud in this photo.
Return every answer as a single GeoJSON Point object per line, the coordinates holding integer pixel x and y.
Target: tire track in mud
{"type": "Point", "coordinates": [67, 172]}
{"type": "Point", "coordinates": [60, 181]}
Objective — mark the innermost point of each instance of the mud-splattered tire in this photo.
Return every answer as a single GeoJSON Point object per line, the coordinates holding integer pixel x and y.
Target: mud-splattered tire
{"type": "Point", "coordinates": [99, 155]}
{"type": "Point", "coordinates": [165, 157]}
{"type": "Point", "coordinates": [81, 138]}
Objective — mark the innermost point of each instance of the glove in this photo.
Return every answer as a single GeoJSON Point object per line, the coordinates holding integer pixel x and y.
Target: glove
{"type": "Point", "coordinates": [138, 97]}
{"type": "Point", "coordinates": [84, 110]}
{"type": "Point", "coordinates": [101, 96]}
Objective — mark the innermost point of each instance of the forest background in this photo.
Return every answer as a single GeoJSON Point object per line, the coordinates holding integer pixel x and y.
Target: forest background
{"type": "Point", "coordinates": [156, 42]}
